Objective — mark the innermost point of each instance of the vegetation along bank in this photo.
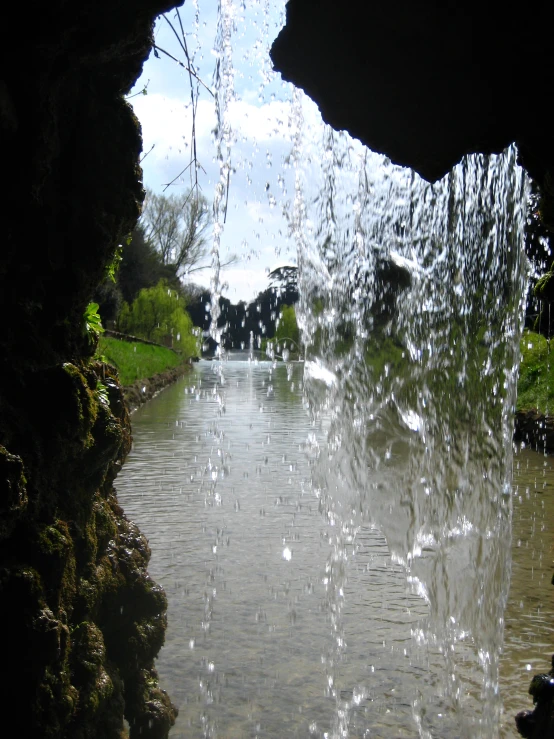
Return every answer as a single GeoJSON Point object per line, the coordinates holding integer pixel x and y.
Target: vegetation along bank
{"type": "Point", "coordinates": [534, 421]}
{"type": "Point", "coordinates": [144, 368]}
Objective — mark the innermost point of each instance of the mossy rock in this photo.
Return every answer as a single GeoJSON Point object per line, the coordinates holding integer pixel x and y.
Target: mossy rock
{"type": "Point", "coordinates": [148, 709]}
{"type": "Point", "coordinates": [13, 491]}
{"type": "Point", "coordinates": [544, 289]}
{"type": "Point", "coordinates": [52, 551]}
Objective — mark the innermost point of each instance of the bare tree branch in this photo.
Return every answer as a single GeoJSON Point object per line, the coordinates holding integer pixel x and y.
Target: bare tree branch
{"type": "Point", "coordinates": [143, 157]}
{"type": "Point", "coordinates": [194, 85]}
{"type": "Point", "coordinates": [182, 172]}
{"type": "Point", "coordinates": [233, 259]}
{"type": "Point", "coordinates": [144, 91]}
{"type": "Point", "coordinates": [181, 64]}
{"type": "Point", "coordinates": [178, 227]}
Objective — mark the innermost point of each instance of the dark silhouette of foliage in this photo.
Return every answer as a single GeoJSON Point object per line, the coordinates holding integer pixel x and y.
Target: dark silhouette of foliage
{"type": "Point", "coordinates": [245, 324]}
{"type": "Point", "coordinates": [141, 267]}
{"type": "Point", "coordinates": [198, 300]}
{"type": "Point", "coordinates": [538, 247]}
{"type": "Point", "coordinates": [285, 280]}
{"type": "Point", "coordinates": [109, 298]}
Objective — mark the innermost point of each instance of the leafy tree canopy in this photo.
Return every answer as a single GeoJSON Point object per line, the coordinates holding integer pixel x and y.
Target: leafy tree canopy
{"type": "Point", "coordinates": [287, 333]}
{"type": "Point", "coordinates": [158, 314]}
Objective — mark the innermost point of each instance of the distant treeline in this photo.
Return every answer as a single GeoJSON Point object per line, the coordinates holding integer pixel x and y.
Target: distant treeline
{"type": "Point", "coordinates": [245, 323]}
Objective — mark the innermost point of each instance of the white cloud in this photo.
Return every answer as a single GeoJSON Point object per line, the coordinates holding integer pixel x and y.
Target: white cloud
{"type": "Point", "coordinates": [262, 126]}
{"type": "Point", "coordinates": [255, 227]}
{"type": "Point", "coordinates": [269, 122]}
{"type": "Point", "coordinates": [167, 126]}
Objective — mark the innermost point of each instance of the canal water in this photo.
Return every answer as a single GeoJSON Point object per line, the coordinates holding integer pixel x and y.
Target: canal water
{"type": "Point", "coordinates": [220, 481]}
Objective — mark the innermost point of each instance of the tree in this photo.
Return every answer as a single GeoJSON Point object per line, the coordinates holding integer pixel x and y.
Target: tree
{"type": "Point", "coordinates": [158, 314]}
{"type": "Point", "coordinates": [109, 299]}
{"type": "Point", "coordinates": [141, 266]}
{"type": "Point", "coordinates": [284, 280]}
{"type": "Point", "coordinates": [178, 226]}
{"type": "Point", "coordinates": [287, 333]}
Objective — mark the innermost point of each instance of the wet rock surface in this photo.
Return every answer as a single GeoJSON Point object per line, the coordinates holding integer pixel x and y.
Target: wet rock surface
{"type": "Point", "coordinates": [81, 619]}
{"type": "Point", "coordinates": [142, 391]}
{"type": "Point", "coordinates": [539, 723]}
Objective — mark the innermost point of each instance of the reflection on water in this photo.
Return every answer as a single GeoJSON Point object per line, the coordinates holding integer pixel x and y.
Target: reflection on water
{"type": "Point", "coordinates": [529, 623]}
{"type": "Point", "coordinates": [220, 482]}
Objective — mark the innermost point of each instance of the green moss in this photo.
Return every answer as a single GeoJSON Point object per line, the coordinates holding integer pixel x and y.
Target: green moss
{"type": "Point", "coordinates": [387, 355]}
{"type": "Point", "coordinates": [148, 708]}
{"type": "Point", "coordinates": [53, 552]}
{"type": "Point", "coordinates": [63, 442]}
{"type": "Point", "coordinates": [100, 691]}
{"type": "Point", "coordinates": [52, 541]}
{"type": "Point", "coordinates": [88, 652]}
{"type": "Point", "coordinates": [106, 528]}
{"type": "Point", "coordinates": [84, 402]}
{"type": "Point", "coordinates": [13, 491]}
{"type": "Point", "coordinates": [535, 389]}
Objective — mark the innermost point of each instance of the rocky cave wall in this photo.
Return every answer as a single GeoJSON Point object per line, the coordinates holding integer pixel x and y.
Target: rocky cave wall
{"type": "Point", "coordinates": [80, 618]}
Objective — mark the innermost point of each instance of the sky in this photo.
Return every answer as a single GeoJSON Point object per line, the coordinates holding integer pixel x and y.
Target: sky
{"type": "Point", "coordinates": [261, 184]}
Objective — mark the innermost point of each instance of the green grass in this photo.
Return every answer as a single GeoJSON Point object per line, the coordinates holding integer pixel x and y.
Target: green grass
{"type": "Point", "coordinates": [136, 361]}
{"type": "Point", "coordinates": [535, 387]}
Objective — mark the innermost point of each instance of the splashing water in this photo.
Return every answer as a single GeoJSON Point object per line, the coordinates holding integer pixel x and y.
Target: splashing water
{"type": "Point", "coordinates": [411, 298]}
{"type": "Point", "coordinates": [223, 136]}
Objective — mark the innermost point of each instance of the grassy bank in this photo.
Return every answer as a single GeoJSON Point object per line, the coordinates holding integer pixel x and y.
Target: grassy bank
{"type": "Point", "coordinates": [535, 388]}
{"type": "Point", "coordinates": [136, 361]}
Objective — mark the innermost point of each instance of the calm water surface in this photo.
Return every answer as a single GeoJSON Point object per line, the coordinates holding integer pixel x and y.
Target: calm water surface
{"type": "Point", "coordinates": [219, 480]}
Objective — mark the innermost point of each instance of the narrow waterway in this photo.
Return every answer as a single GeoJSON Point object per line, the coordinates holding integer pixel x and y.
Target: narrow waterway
{"type": "Point", "coordinates": [219, 480]}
